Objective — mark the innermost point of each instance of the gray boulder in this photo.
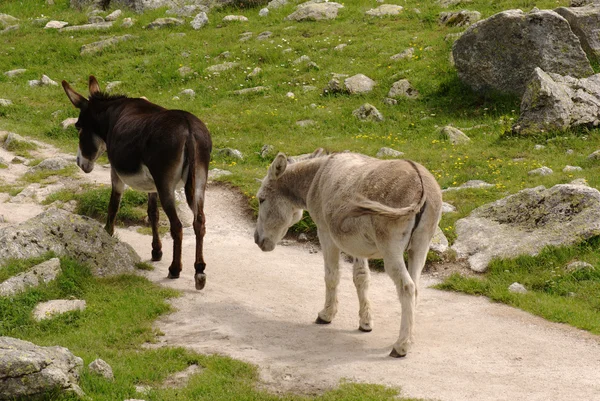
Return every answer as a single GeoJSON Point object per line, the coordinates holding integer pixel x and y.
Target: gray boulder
{"type": "Point", "coordinates": [12, 140]}
{"type": "Point", "coordinates": [199, 21]}
{"type": "Point", "coordinates": [368, 112]}
{"type": "Point", "coordinates": [385, 9]}
{"type": "Point", "coordinates": [585, 23]}
{"type": "Point", "coordinates": [7, 20]}
{"type": "Point", "coordinates": [315, 12]}
{"type": "Point", "coordinates": [47, 310]}
{"type": "Point", "coordinates": [556, 103]}
{"type": "Point", "coordinates": [164, 23]}
{"type": "Point", "coordinates": [14, 73]}
{"type": "Point", "coordinates": [233, 18]}
{"type": "Point", "coordinates": [27, 370]}
{"type": "Point", "coordinates": [517, 288]}
{"type": "Point", "coordinates": [543, 171]}
{"type": "Point", "coordinates": [100, 45]}
{"type": "Point", "coordinates": [402, 88]}
{"type": "Point", "coordinates": [359, 83]}
{"type": "Point", "coordinates": [41, 274]}
{"type": "Point", "coordinates": [454, 135]}
{"type": "Point", "coordinates": [232, 153]}
{"type": "Point", "coordinates": [114, 15]}
{"type": "Point", "coordinates": [5, 102]}
{"type": "Point", "coordinates": [51, 164]}
{"type": "Point", "coordinates": [100, 367]}
{"type": "Point", "coordinates": [526, 222]}
{"type": "Point", "coordinates": [89, 27]}
{"type": "Point", "coordinates": [222, 67]}
{"type": "Point", "coordinates": [389, 152]}
{"type": "Point", "coordinates": [55, 24]}
{"type": "Point", "coordinates": [502, 52]}
{"type": "Point", "coordinates": [66, 234]}
{"type": "Point", "coordinates": [277, 3]}
{"type": "Point", "coordinates": [249, 91]}
{"type": "Point", "coordinates": [459, 18]}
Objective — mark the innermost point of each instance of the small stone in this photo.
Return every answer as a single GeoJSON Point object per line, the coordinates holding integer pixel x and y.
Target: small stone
{"type": "Point", "coordinates": [448, 208]}
{"type": "Point", "coordinates": [570, 151]}
{"type": "Point", "coordinates": [164, 23]}
{"type": "Point", "coordinates": [247, 91]}
{"type": "Point", "coordinates": [579, 266]}
{"type": "Point", "coordinates": [127, 23]}
{"type": "Point", "coordinates": [96, 19]}
{"type": "Point", "coordinates": [112, 85]}
{"type": "Point", "coordinates": [359, 83]}
{"type": "Point", "coordinates": [188, 93]}
{"type": "Point", "coordinates": [517, 288]}
{"type": "Point", "coordinates": [114, 15]}
{"type": "Point", "coordinates": [305, 123]}
{"type": "Point", "coordinates": [539, 147]}
{"type": "Point", "coordinates": [290, 95]}
{"type": "Point", "coordinates": [389, 101]}
{"type": "Point", "coordinates": [368, 112]}
{"type": "Point", "coordinates": [340, 47]}
{"type": "Point", "coordinates": [101, 368]}
{"type": "Point", "coordinates": [267, 151]}
{"type": "Point", "coordinates": [232, 153]}
{"type": "Point", "coordinates": [263, 12]}
{"type": "Point", "coordinates": [199, 21]}
{"type": "Point", "coordinates": [406, 54]}
{"type": "Point", "coordinates": [264, 35]}
{"type": "Point", "coordinates": [302, 237]}
{"type": "Point", "coordinates": [389, 152]}
{"type": "Point", "coordinates": [595, 155]}
{"type": "Point", "coordinates": [47, 81]}
{"type": "Point", "coordinates": [385, 9]}
{"type": "Point", "coordinates": [571, 169]}
{"type": "Point", "coordinates": [68, 122]}
{"type": "Point", "coordinates": [302, 59]}
{"type": "Point", "coordinates": [42, 273]}
{"type": "Point", "coordinates": [231, 18]}
{"type": "Point", "coordinates": [56, 24]}
{"type": "Point", "coordinates": [217, 173]}
{"type": "Point", "coordinates": [454, 135]}
{"type": "Point", "coordinates": [185, 71]}
{"type": "Point", "coordinates": [246, 36]}
{"type": "Point", "coordinates": [14, 73]}
{"type": "Point", "coordinates": [543, 171]}
{"type": "Point", "coordinates": [403, 88]}
{"type": "Point", "coordinates": [47, 310]}
{"type": "Point", "coordinates": [308, 88]}
{"type": "Point", "coordinates": [313, 66]}
{"type": "Point", "coordinates": [5, 102]}
{"type": "Point", "coordinates": [580, 181]}
{"type": "Point", "coordinates": [225, 54]}
{"type": "Point", "coordinates": [255, 72]}
{"type": "Point", "coordinates": [221, 67]}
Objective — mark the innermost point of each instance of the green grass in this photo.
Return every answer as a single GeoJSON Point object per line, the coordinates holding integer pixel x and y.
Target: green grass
{"type": "Point", "coordinates": [554, 292]}
{"type": "Point", "coordinates": [114, 326]}
{"type": "Point", "coordinates": [41, 175]}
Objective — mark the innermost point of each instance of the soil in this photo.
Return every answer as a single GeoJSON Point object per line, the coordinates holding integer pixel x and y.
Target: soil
{"type": "Point", "coordinates": [260, 308]}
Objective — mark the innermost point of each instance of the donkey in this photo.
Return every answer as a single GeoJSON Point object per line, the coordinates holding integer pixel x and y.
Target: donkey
{"type": "Point", "coordinates": [151, 149]}
{"type": "Point", "coordinates": [366, 207]}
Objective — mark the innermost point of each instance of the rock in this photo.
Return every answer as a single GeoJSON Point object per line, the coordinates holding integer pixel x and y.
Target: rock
{"type": "Point", "coordinates": [13, 140]}
{"type": "Point", "coordinates": [35, 193]}
{"type": "Point", "coordinates": [502, 52]}
{"type": "Point", "coordinates": [222, 67]}
{"type": "Point", "coordinates": [556, 103]}
{"type": "Point", "coordinates": [96, 47]}
{"type": "Point", "coordinates": [188, 92]}
{"type": "Point", "coordinates": [263, 12]}
{"type": "Point", "coordinates": [89, 27]}
{"type": "Point", "coordinates": [199, 21]}
{"type": "Point", "coordinates": [180, 379]}
{"type": "Point", "coordinates": [30, 371]}
{"type": "Point", "coordinates": [127, 23]}
{"type": "Point", "coordinates": [594, 156]}
{"type": "Point", "coordinates": [66, 234]}
{"type": "Point", "coordinates": [471, 184]}
{"type": "Point", "coordinates": [277, 3]}
{"type": "Point", "coordinates": [368, 112]}
{"type": "Point", "coordinates": [41, 274]}
{"type": "Point", "coordinates": [247, 91]}
{"type": "Point", "coordinates": [8, 20]}
{"type": "Point", "coordinates": [526, 222]}
{"type": "Point", "coordinates": [305, 123]}
{"type": "Point", "coordinates": [389, 152]}
{"type": "Point", "coordinates": [56, 24]}
{"type": "Point", "coordinates": [358, 84]}
{"type": "Point", "coordinates": [187, 10]}
{"type": "Point", "coordinates": [100, 367]}
{"type": "Point", "coordinates": [389, 101]}
{"type": "Point", "coordinates": [439, 242]}
{"type": "Point", "coordinates": [385, 9]}
{"type": "Point", "coordinates": [185, 71]}
{"type": "Point", "coordinates": [340, 47]}
{"type": "Point", "coordinates": [267, 151]}
{"type": "Point", "coordinates": [45, 81]}
{"type": "Point", "coordinates": [5, 102]}
{"type": "Point", "coordinates": [579, 266]}
{"type": "Point", "coordinates": [454, 135]}
{"type": "Point", "coordinates": [51, 164]}
{"type": "Point", "coordinates": [402, 88]}
{"type": "Point", "coordinates": [68, 122]}
{"type": "Point", "coordinates": [112, 85]}
{"type": "Point", "coordinates": [255, 72]}
{"type": "Point", "coordinates": [315, 12]}
{"type": "Point", "coordinates": [264, 35]}
{"type": "Point", "coordinates": [543, 171]}
{"type": "Point", "coordinates": [585, 23]}
{"type": "Point", "coordinates": [571, 169]}
{"type": "Point", "coordinates": [302, 59]}
{"type": "Point", "coordinates": [232, 18]}
{"type": "Point", "coordinates": [114, 15]}
{"type": "Point", "coordinates": [47, 310]}
{"type": "Point", "coordinates": [164, 23]}
{"type": "Point", "coordinates": [246, 36]}
{"type": "Point", "coordinates": [459, 18]}
{"type": "Point", "coordinates": [517, 288]}
{"type": "Point", "coordinates": [232, 153]}
{"type": "Point", "coordinates": [216, 173]}
{"type": "Point", "coordinates": [539, 147]}
{"type": "Point", "coordinates": [95, 19]}
{"type": "Point", "coordinates": [406, 54]}
{"type": "Point", "coordinates": [14, 73]}
{"type": "Point", "coordinates": [448, 208]}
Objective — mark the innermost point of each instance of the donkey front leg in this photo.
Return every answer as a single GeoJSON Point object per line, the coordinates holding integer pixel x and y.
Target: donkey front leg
{"type": "Point", "coordinates": [153, 217]}
{"type": "Point", "coordinates": [361, 276]}
{"type": "Point", "coordinates": [167, 199]}
{"type": "Point", "coordinates": [115, 200]}
{"type": "Point", "coordinates": [331, 256]}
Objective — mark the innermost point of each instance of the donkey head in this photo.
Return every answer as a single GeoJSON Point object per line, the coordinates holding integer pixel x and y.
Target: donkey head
{"type": "Point", "coordinates": [91, 144]}
{"type": "Point", "coordinates": [276, 211]}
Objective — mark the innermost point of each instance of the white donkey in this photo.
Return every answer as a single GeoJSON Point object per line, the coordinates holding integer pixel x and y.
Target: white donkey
{"type": "Point", "coordinates": [366, 207]}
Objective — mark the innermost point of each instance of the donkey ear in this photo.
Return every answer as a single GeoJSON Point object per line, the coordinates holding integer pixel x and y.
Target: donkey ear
{"type": "Point", "coordinates": [94, 86]}
{"type": "Point", "coordinates": [78, 101]}
{"type": "Point", "coordinates": [318, 153]}
{"type": "Point", "coordinates": [278, 166]}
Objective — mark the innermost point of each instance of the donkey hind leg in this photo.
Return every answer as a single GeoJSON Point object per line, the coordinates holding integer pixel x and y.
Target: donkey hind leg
{"type": "Point", "coordinates": [153, 217]}
{"type": "Point", "coordinates": [195, 199]}
{"type": "Point", "coordinates": [331, 256]}
{"type": "Point", "coordinates": [166, 195]}
{"type": "Point", "coordinates": [115, 200]}
{"type": "Point", "coordinates": [417, 253]}
{"type": "Point", "coordinates": [393, 260]}
{"type": "Point", "coordinates": [361, 276]}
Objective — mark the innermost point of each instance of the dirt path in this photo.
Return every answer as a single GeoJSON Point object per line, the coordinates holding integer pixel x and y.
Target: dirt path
{"type": "Point", "coordinates": [259, 307]}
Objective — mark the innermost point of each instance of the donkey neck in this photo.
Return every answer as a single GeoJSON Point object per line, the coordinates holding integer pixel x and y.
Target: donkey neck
{"type": "Point", "coordinates": [298, 178]}
{"type": "Point", "coordinates": [105, 113]}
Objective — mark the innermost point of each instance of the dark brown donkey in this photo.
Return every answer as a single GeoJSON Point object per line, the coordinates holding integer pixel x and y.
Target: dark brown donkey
{"type": "Point", "coordinates": [151, 149]}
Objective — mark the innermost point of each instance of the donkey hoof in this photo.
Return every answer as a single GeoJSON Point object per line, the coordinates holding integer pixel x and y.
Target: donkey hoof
{"type": "Point", "coordinates": [200, 280]}
{"type": "Point", "coordinates": [156, 255]}
{"type": "Point", "coordinates": [321, 321]}
{"type": "Point", "coordinates": [396, 354]}
{"type": "Point", "coordinates": [173, 275]}
{"type": "Point", "coordinates": [365, 328]}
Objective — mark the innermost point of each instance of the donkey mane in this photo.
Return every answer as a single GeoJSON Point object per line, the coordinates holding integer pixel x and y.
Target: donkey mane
{"type": "Point", "coordinates": [106, 96]}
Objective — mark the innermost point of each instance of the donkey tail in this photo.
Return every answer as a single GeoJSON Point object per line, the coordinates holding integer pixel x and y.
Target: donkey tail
{"type": "Point", "coordinates": [190, 183]}
{"type": "Point", "coordinates": [368, 207]}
